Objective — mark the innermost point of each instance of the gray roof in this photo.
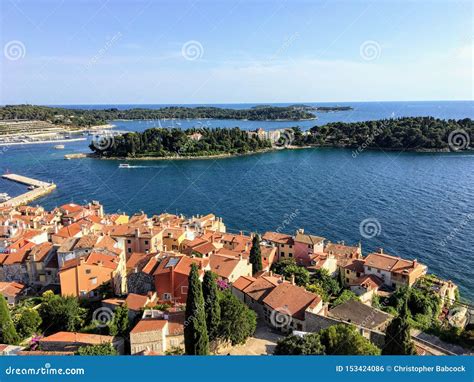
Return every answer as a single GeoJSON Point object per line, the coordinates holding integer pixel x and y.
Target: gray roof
{"type": "Point", "coordinates": [357, 313]}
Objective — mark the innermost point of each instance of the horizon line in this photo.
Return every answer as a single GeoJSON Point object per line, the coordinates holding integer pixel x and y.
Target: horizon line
{"type": "Point", "coordinates": [230, 103]}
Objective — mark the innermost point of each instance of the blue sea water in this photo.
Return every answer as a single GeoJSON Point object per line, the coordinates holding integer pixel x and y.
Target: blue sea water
{"type": "Point", "coordinates": [423, 203]}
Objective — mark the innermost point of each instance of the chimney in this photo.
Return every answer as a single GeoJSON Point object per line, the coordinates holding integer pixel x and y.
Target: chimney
{"type": "Point", "coordinates": [292, 279]}
{"type": "Point", "coordinates": [381, 251]}
{"type": "Point", "coordinates": [271, 273]}
{"type": "Point", "coordinates": [137, 232]}
{"type": "Point", "coordinates": [415, 263]}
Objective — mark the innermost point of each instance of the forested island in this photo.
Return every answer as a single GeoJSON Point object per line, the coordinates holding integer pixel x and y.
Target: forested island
{"type": "Point", "coordinates": [93, 117]}
{"type": "Point", "coordinates": [159, 142]}
{"type": "Point", "coordinates": [410, 133]}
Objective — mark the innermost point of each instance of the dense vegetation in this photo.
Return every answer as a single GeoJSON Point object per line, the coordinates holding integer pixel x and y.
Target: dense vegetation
{"type": "Point", "coordinates": [101, 349]}
{"type": "Point", "coordinates": [417, 133]}
{"type": "Point", "coordinates": [160, 142]}
{"type": "Point", "coordinates": [336, 340]}
{"type": "Point", "coordinates": [409, 133]}
{"type": "Point", "coordinates": [89, 117]}
{"type": "Point", "coordinates": [214, 316]}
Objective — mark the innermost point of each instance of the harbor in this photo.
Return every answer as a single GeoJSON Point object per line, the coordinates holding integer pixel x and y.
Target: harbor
{"type": "Point", "coordinates": [37, 189]}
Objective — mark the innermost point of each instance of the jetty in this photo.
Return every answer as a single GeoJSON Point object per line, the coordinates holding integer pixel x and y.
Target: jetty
{"type": "Point", "coordinates": [39, 189]}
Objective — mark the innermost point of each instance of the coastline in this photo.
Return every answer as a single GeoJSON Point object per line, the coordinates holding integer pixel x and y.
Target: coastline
{"type": "Point", "coordinates": [274, 149]}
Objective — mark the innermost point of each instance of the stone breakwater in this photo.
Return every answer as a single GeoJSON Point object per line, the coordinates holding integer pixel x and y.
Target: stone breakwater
{"type": "Point", "coordinates": [39, 189]}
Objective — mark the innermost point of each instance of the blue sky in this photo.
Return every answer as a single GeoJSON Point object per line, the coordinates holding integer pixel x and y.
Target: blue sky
{"type": "Point", "coordinates": [81, 52]}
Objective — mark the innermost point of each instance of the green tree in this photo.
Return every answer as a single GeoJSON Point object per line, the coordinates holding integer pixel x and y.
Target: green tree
{"type": "Point", "coordinates": [120, 325]}
{"type": "Point", "coordinates": [256, 255]}
{"type": "Point", "coordinates": [328, 283]}
{"type": "Point", "coordinates": [397, 336]}
{"type": "Point", "coordinates": [238, 322]}
{"type": "Point", "coordinates": [61, 313]}
{"type": "Point", "coordinates": [343, 339]}
{"type": "Point", "coordinates": [213, 308]}
{"type": "Point", "coordinates": [196, 340]}
{"type": "Point", "coordinates": [28, 322]}
{"type": "Point", "coordinates": [8, 334]}
{"type": "Point", "coordinates": [345, 296]}
{"type": "Point", "coordinates": [101, 349]}
{"type": "Point", "coordinates": [310, 344]}
{"type": "Point", "coordinates": [288, 268]}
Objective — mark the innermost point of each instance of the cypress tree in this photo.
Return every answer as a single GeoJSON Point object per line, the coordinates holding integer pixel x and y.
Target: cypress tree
{"type": "Point", "coordinates": [213, 308]}
{"type": "Point", "coordinates": [196, 340]}
{"type": "Point", "coordinates": [255, 255]}
{"type": "Point", "coordinates": [8, 334]}
{"type": "Point", "coordinates": [119, 326]}
{"type": "Point", "coordinates": [397, 336]}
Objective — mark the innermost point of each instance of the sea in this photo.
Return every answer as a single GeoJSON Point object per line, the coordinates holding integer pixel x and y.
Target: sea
{"type": "Point", "coordinates": [414, 205]}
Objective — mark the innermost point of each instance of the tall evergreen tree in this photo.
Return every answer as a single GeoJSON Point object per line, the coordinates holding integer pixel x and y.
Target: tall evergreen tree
{"type": "Point", "coordinates": [397, 336]}
{"type": "Point", "coordinates": [196, 340]}
{"type": "Point", "coordinates": [213, 308]}
{"type": "Point", "coordinates": [256, 255]}
{"type": "Point", "coordinates": [8, 334]}
{"type": "Point", "coordinates": [119, 326]}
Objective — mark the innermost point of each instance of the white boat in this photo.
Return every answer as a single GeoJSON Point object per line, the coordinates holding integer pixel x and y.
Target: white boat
{"type": "Point", "coordinates": [124, 165]}
{"type": "Point", "coordinates": [4, 197]}
{"type": "Point", "coordinates": [59, 147]}
{"type": "Point", "coordinates": [31, 187]}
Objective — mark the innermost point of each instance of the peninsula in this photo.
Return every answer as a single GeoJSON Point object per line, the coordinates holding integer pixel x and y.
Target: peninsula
{"type": "Point", "coordinates": [92, 117]}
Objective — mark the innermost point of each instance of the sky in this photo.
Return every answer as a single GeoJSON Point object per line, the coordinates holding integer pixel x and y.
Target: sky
{"type": "Point", "coordinates": [162, 52]}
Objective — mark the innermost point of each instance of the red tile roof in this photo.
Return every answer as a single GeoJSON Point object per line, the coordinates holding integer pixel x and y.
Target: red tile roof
{"type": "Point", "coordinates": [292, 299]}
{"type": "Point", "coordinates": [75, 337]}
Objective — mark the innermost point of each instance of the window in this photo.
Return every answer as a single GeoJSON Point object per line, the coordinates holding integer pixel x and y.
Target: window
{"type": "Point", "coordinates": [129, 241]}
{"type": "Point", "coordinates": [282, 254]}
{"type": "Point", "coordinates": [88, 271]}
{"type": "Point", "coordinates": [347, 280]}
{"type": "Point", "coordinates": [290, 255]}
{"type": "Point", "coordinates": [94, 281]}
{"type": "Point", "coordinates": [146, 242]}
{"type": "Point", "coordinates": [167, 296]}
{"type": "Point", "coordinates": [369, 268]}
{"type": "Point", "coordinates": [184, 290]}
{"type": "Point", "coordinates": [358, 274]}
{"type": "Point", "coordinates": [348, 271]}
{"type": "Point", "coordinates": [129, 250]}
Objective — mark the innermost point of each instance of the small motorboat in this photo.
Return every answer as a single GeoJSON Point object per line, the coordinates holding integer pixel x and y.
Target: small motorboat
{"type": "Point", "coordinates": [31, 187]}
{"type": "Point", "coordinates": [59, 147]}
{"type": "Point", "coordinates": [124, 165]}
{"type": "Point", "coordinates": [4, 197]}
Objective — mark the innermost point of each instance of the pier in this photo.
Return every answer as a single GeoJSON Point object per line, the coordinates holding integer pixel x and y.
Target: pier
{"type": "Point", "coordinates": [40, 189]}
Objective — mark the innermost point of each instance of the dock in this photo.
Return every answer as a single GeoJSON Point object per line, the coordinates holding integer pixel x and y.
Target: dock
{"type": "Point", "coordinates": [41, 189]}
